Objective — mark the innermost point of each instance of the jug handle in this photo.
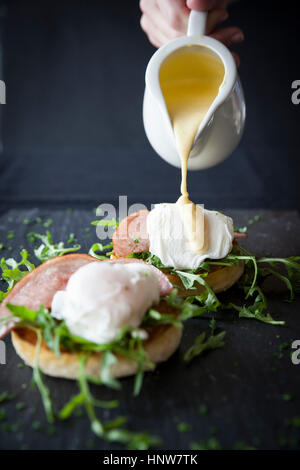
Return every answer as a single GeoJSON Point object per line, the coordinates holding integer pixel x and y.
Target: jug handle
{"type": "Point", "coordinates": [197, 23]}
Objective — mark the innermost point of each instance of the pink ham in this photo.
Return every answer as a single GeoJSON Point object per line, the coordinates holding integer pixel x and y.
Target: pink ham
{"type": "Point", "coordinates": [39, 286]}
{"type": "Point", "coordinates": [131, 236]}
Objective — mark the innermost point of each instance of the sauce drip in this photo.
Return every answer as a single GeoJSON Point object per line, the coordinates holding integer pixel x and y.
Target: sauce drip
{"type": "Point", "coordinates": [190, 80]}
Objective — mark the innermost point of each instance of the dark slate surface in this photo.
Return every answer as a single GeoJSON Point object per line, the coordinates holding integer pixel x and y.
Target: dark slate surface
{"type": "Point", "coordinates": [242, 384]}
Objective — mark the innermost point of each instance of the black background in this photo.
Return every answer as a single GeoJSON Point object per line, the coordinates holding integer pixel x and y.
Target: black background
{"type": "Point", "coordinates": [72, 136]}
{"type": "Point", "coordinates": [72, 126]}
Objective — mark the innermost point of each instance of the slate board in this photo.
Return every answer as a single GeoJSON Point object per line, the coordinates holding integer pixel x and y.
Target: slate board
{"type": "Point", "coordinates": [242, 385]}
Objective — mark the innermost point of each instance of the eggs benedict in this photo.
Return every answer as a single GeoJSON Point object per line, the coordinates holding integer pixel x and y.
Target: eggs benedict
{"type": "Point", "coordinates": [160, 233]}
{"type": "Point", "coordinates": [95, 301]}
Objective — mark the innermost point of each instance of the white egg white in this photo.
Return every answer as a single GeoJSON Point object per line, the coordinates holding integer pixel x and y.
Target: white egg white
{"type": "Point", "coordinates": [170, 242]}
{"type": "Point", "coordinates": [101, 298]}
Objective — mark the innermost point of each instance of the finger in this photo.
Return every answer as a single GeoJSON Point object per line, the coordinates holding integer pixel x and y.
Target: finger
{"type": "Point", "coordinates": [229, 36]}
{"type": "Point", "coordinates": [201, 5]}
{"type": "Point", "coordinates": [214, 17]}
{"type": "Point", "coordinates": [236, 58]}
{"type": "Point", "coordinates": [176, 14]}
{"type": "Point", "coordinates": [157, 37]}
{"type": "Point", "coordinates": [160, 23]}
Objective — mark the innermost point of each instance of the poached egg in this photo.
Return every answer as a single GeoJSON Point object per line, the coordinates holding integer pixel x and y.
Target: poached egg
{"type": "Point", "coordinates": [101, 298]}
{"type": "Point", "coordinates": [170, 241]}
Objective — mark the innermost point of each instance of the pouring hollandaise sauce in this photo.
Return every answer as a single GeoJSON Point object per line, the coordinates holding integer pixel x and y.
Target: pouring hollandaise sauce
{"type": "Point", "coordinates": [190, 80]}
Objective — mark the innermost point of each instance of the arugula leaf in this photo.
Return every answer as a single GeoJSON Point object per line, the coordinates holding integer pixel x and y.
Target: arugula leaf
{"type": "Point", "coordinates": [257, 309]}
{"type": "Point", "coordinates": [99, 247]}
{"type": "Point", "coordinates": [292, 265]}
{"type": "Point", "coordinates": [48, 249]}
{"type": "Point", "coordinates": [108, 359]}
{"type": "Point", "coordinates": [87, 399]}
{"type": "Point", "coordinates": [133, 440]}
{"type": "Point", "coordinates": [208, 300]}
{"type": "Point", "coordinates": [158, 318]}
{"type": "Point", "coordinates": [141, 362]}
{"type": "Point", "coordinates": [22, 312]}
{"type": "Point", "coordinates": [13, 271]}
{"type": "Point", "coordinates": [211, 443]}
{"type": "Point", "coordinates": [106, 223]}
{"type": "Point", "coordinates": [70, 407]}
{"type": "Point", "coordinates": [150, 259]}
{"type": "Point", "coordinates": [200, 345]}
{"type": "Point", "coordinates": [109, 431]}
{"type": "Point", "coordinates": [213, 325]}
{"type": "Point", "coordinates": [37, 377]}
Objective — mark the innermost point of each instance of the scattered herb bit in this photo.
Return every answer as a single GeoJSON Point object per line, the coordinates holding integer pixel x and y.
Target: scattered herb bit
{"type": "Point", "coordinates": [98, 247]}
{"type": "Point", "coordinates": [256, 218]}
{"type": "Point", "coordinates": [213, 430]}
{"type": "Point", "coordinates": [37, 376]}
{"type": "Point", "coordinates": [210, 444]}
{"type": "Point", "coordinates": [2, 414]}
{"type": "Point", "coordinates": [5, 396]}
{"type": "Point", "coordinates": [294, 422]}
{"type": "Point", "coordinates": [200, 345]}
{"type": "Point", "coordinates": [90, 443]}
{"type": "Point", "coordinates": [213, 325]}
{"type": "Point", "coordinates": [240, 229]}
{"type": "Point", "coordinates": [71, 238]}
{"type": "Point", "coordinates": [257, 310]}
{"type": "Point", "coordinates": [183, 427]}
{"type": "Point", "coordinates": [106, 223]}
{"type": "Point", "coordinates": [286, 397]}
{"type": "Point", "coordinates": [87, 229]}
{"type": "Point", "coordinates": [108, 359]}
{"type": "Point", "coordinates": [203, 410]}
{"type": "Point", "coordinates": [51, 431]}
{"type": "Point", "coordinates": [48, 223]}
{"type": "Point", "coordinates": [283, 346]}
{"type": "Point", "coordinates": [69, 210]}
{"type": "Point", "coordinates": [135, 240]}
{"type": "Point", "coordinates": [2, 246]}
{"type": "Point", "coordinates": [12, 272]}
{"type": "Point", "coordinates": [20, 366]}
{"type": "Point", "coordinates": [10, 234]}
{"type": "Point", "coordinates": [20, 406]}
{"type": "Point", "coordinates": [48, 249]}
{"type": "Point", "coordinates": [38, 220]}
{"type": "Point", "coordinates": [243, 446]}
{"type": "Point", "coordinates": [36, 426]}
{"type": "Point", "coordinates": [6, 427]}
{"type": "Point", "coordinates": [26, 221]}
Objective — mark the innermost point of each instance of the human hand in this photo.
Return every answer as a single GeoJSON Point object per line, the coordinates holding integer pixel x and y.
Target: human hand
{"type": "Point", "coordinates": [164, 20]}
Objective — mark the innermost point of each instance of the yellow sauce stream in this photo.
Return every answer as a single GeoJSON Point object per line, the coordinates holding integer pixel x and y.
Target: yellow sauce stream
{"type": "Point", "coordinates": [190, 80]}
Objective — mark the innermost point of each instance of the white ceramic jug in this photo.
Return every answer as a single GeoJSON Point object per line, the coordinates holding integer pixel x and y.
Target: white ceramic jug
{"type": "Point", "coordinates": [220, 131]}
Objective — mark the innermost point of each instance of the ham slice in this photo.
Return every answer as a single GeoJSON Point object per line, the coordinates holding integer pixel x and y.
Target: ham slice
{"type": "Point", "coordinates": [131, 236]}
